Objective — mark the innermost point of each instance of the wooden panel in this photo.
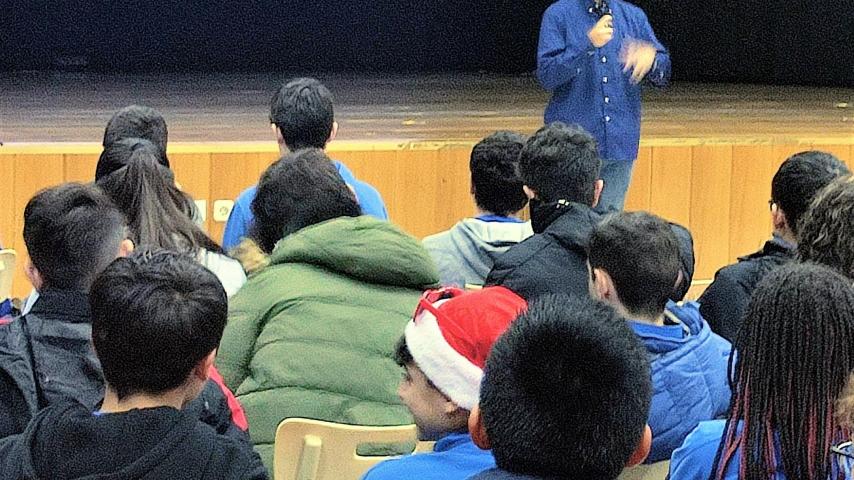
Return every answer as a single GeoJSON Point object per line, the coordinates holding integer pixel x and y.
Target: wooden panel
{"type": "Point", "coordinates": [753, 168]}
{"type": "Point", "coordinates": [230, 174]}
{"type": "Point", "coordinates": [842, 152]}
{"type": "Point", "coordinates": [710, 208]}
{"type": "Point", "coordinates": [671, 183]}
{"type": "Point", "coordinates": [640, 190]}
{"type": "Point", "coordinates": [8, 231]}
{"type": "Point", "coordinates": [80, 167]}
{"type": "Point", "coordinates": [193, 175]}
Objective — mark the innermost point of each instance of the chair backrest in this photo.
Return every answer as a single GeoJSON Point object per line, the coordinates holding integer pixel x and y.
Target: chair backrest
{"type": "Point", "coordinates": [8, 259]}
{"type": "Point", "coordinates": [316, 450]}
{"type": "Point", "coordinates": [653, 471]}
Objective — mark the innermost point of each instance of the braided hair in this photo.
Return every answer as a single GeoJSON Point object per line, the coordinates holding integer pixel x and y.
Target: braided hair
{"type": "Point", "coordinates": [794, 358]}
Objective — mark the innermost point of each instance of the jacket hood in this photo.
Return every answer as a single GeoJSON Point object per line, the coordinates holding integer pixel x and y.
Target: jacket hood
{"type": "Point", "coordinates": [687, 315]}
{"type": "Point", "coordinates": [484, 241]}
{"type": "Point", "coordinates": [362, 248]}
{"type": "Point", "coordinates": [571, 225]}
{"type": "Point", "coordinates": [70, 439]}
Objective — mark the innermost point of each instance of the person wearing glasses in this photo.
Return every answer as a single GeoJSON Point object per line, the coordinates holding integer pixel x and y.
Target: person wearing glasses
{"type": "Point", "coordinates": [795, 184]}
{"type": "Point", "coordinates": [593, 56]}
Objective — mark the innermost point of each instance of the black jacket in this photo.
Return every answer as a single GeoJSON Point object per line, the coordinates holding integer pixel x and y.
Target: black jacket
{"type": "Point", "coordinates": [724, 302]}
{"type": "Point", "coordinates": [554, 259]}
{"type": "Point", "coordinates": [66, 441]}
{"type": "Point", "coordinates": [48, 353]}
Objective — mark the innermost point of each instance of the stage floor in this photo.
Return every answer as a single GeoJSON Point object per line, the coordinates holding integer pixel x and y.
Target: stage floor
{"type": "Point", "coordinates": [48, 108]}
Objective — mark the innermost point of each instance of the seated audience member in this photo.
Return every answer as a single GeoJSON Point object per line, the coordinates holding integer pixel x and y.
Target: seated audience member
{"type": "Point", "coordinates": [312, 334]}
{"type": "Point", "coordinates": [794, 358]}
{"type": "Point", "coordinates": [302, 116]}
{"type": "Point", "coordinates": [465, 254]}
{"type": "Point", "coordinates": [72, 232]}
{"type": "Point", "coordinates": [443, 351]}
{"type": "Point", "coordinates": [157, 318]}
{"type": "Point", "coordinates": [565, 394]}
{"type": "Point", "coordinates": [634, 263]}
{"type": "Point", "coordinates": [137, 121]}
{"type": "Point", "coordinates": [827, 230]}
{"type": "Point", "coordinates": [560, 171]}
{"type": "Point", "coordinates": [843, 453]}
{"type": "Point", "coordinates": [797, 180]}
{"type": "Point", "coordinates": [135, 174]}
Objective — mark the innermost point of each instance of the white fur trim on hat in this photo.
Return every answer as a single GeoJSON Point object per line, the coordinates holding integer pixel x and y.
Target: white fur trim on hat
{"type": "Point", "coordinates": [452, 373]}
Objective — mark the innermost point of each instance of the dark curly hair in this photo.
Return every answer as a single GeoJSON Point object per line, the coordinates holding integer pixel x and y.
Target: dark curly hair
{"type": "Point", "coordinates": [826, 230]}
{"type": "Point", "coordinates": [495, 179]}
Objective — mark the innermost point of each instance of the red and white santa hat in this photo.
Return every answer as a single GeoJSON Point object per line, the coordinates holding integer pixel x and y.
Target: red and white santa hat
{"type": "Point", "coordinates": [451, 335]}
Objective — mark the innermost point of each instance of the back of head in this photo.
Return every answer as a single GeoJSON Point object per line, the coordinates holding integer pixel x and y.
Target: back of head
{"type": "Point", "coordinates": [302, 111]}
{"type": "Point", "coordinates": [794, 357]}
{"type": "Point", "coordinates": [495, 179]}
{"type": "Point", "coordinates": [137, 121]}
{"type": "Point", "coordinates": [641, 254]}
{"type": "Point", "coordinates": [155, 315]}
{"type": "Point", "coordinates": [301, 189]}
{"type": "Point", "coordinates": [134, 174]}
{"type": "Point", "coordinates": [799, 179]}
{"type": "Point", "coordinates": [72, 232]}
{"type": "Point", "coordinates": [826, 230]}
{"type": "Point", "coordinates": [560, 162]}
{"type": "Point", "coordinates": [566, 391]}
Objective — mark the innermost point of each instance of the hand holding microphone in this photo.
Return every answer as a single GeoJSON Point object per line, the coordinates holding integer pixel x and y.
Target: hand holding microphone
{"type": "Point", "coordinates": [602, 32]}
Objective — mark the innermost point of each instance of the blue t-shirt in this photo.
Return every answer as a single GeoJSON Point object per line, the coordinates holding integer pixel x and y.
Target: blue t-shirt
{"type": "Point", "coordinates": [241, 214]}
{"type": "Point", "coordinates": [454, 457]}
{"type": "Point", "coordinates": [695, 458]}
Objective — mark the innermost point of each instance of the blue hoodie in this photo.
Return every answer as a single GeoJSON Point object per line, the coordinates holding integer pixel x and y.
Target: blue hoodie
{"type": "Point", "coordinates": [689, 376]}
{"type": "Point", "coordinates": [241, 214]}
{"type": "Point", "coordinates": [454, 457]}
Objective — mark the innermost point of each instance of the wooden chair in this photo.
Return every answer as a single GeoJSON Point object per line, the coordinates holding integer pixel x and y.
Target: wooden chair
{"type": "Point", "coordinates": [653, 471]}
{"type": "Point", "coordinates": [8, 259]}
{"type": "Point", "coordinates": [316, 450]}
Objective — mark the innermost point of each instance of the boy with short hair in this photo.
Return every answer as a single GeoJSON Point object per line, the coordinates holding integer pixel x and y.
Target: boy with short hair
{"type": "Point", "coordinates": [443, 351]}
{"type": "Point", "coordinates": [465, 254]}
{"type": "Point", "coordinates": [565, 394]}
{"type": "Point", "coordinates": [634, 263]}
{"type": "Point", "coordinates": [157, 319]}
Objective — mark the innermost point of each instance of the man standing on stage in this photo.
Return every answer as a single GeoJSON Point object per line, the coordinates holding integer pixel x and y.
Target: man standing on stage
{"type": "Point", "coordinates": [593, 56]}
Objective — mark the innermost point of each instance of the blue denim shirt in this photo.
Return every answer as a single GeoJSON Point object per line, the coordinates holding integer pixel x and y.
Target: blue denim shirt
{"type": "Point", "coordinates": [588, 85]}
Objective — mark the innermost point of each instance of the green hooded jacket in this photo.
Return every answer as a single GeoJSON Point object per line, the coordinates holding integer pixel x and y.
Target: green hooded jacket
{"type": "Point", "coordinates": [313, 333]}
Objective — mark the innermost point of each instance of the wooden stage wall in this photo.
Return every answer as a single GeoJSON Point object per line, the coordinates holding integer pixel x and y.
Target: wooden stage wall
{"type": "Point", "coordinates": [719, 190]}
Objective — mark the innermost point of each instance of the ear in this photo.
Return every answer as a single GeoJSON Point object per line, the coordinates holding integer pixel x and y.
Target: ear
{"type": "Point", "coordinates": [603, 286]}
{"type": "Point", "coordinates": [202, 369]}
{"type": "Point", "coordinates": [529, 192]}
{"type": "Point", "coordinates": [477, 430]}
{"type": "Point", "coordinates": [778, 217]}
{"type": "Point", "coordinates": [597, 191]}
{"type": "Point", "coordinates": [33, 275]}
{"type": "Point", "coordinates": [333, 133]}
{"type": "Point", "coordinates": [642, 450]}
{"type": "Point", "coordinates": [279, 138]}
{"type": "Point", "coordinates": [126, 248]}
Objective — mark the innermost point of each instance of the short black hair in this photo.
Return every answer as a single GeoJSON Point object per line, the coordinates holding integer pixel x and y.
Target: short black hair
{"type": "Point", "coordinates": [560, 162]}
{"type": "Point", "coordinates": [641, 254]}
{"type": "Point", "coordinates": [155, 315]}
{"type": "Point", "coordinates": [495, 178]}
{"type": "Point", "coordinates": [302, 110]}
{"type": "Point", "coordinates": [826, 230]}
{"type": "Point", "coordinates": [402, 355]}
{"type": "Point", "coordinates": [302, 188]}
{"type": "Point", "coordinates": [72, 232]}
{"type": "Point", "coordinates": [566, 391]}
{"type": "Point", "coordinates": [137, 121]}
{"type": "Point", "coordinates": [799, 178]}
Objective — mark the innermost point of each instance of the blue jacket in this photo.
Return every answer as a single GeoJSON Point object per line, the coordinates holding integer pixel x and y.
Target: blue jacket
{"type": "Point", "coordinates": [454, 457]}
{"type": "Point", "coordinates": [588, 85]}
{"type": "Point", "coordinates": [694, 459]}
{"type": "Point", "coordinates": [689, 376]}
{"type": "Point", "coordinates": [241, 214]}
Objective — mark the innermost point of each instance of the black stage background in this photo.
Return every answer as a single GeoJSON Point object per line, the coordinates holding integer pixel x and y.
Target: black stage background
{"type": "Point", "coordinates": [778, 42]}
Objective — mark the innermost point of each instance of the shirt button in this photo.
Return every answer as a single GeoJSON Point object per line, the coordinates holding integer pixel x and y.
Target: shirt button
{"type": "Point", "coordinates": [604, 79]}
{"type": "Point", "coordinates": [607, 118]}
{"type": "Point", "coordinates": [607, 99]}
{"type": "Point", "coordinates": [604, 59]}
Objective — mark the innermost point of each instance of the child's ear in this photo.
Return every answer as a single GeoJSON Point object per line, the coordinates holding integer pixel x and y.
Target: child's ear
{"type": "Point", "coordinates": [202, 370]}
{"type": "Point", "coordinates": [642, 450]}
{"type": "Point", "coordinates": [603, 285]}
{"type": "Point", "coordinates": [597, 191]}
{"type": "Point", "coordinates": [126, 248]}
{"type": "Point", "coordinates": [33, 275]}
{"type": "Point", "coordinates": [477, 430]}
